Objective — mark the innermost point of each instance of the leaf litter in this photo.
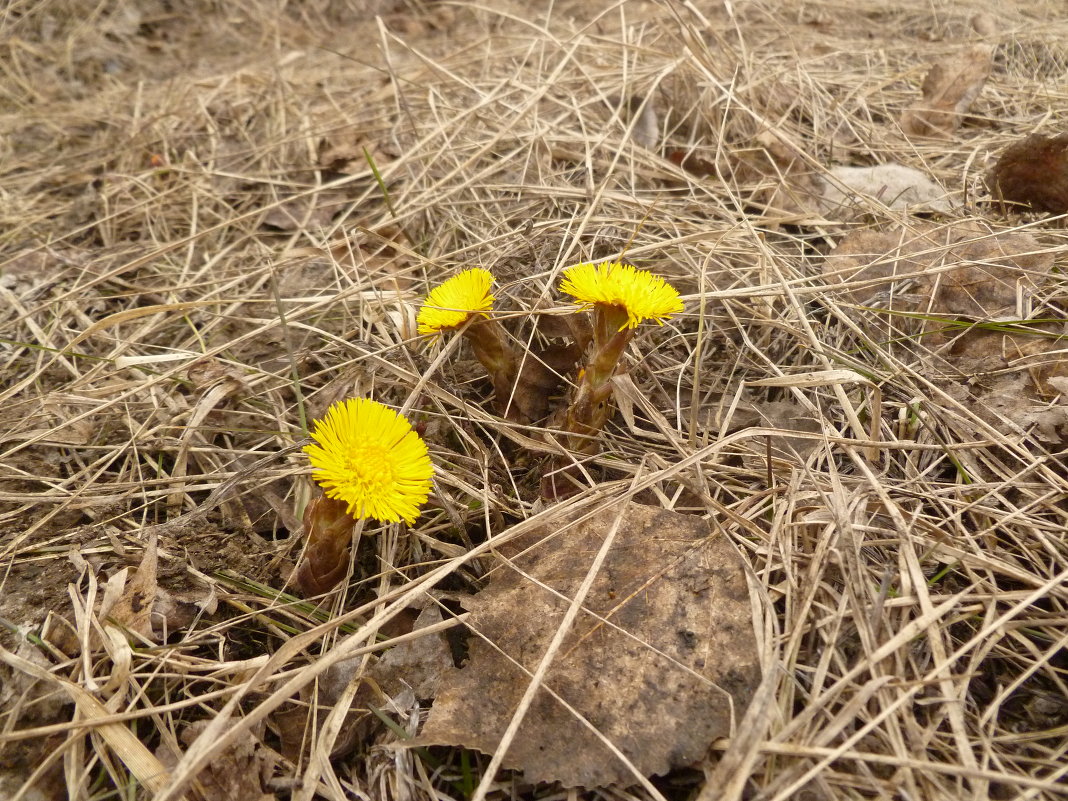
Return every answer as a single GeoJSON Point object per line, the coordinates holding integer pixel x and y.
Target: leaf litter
{"type": "Point", "coordinates": [909, 585]}
{"type": "Point", "coordinates": [661, 662]}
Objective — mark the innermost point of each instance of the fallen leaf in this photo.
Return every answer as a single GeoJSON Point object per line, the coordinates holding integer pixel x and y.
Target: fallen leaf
{"type": "Point", "coordinates": [893, 185]}
{"type": "Point", "coordinates": [237, 772]}
{"type": "Point", "coordinates": [950, 88]}
{"type": "Point", "coordinates": [133, 609]}
{"type": "Point", "coordinates": [1033, 173]}
{"type": "Point", "coordinates": [418, 665]}
{"type": "Point", "coordinates": [662, 662]}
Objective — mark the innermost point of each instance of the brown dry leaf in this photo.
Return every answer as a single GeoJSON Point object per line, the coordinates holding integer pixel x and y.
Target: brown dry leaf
{"type": "Point", "coordinates": [988, 271]}
{"type": "Point", "coordinates": [949, 90]}
{"type": "Point", "coordinates": [893, 185]}
{"type": "Point", "coordinates": [238, 772]}
{"type": "Point", "coordinates": [1033, 173]}
{"type": "Point", "coordinates": [419, 664]}
{"type": "Point", "coordinates": [671, 670]}
{"type": "Point", "coordinates": [133, 609]}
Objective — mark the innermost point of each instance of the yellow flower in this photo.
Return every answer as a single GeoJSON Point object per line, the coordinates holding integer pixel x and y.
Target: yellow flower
{"type": "Point", "coordinates": [449, 305]}
{"type": "Point", "coordinates": [368, 456]}
{"type": "Point", "coordinates": [641, 294]}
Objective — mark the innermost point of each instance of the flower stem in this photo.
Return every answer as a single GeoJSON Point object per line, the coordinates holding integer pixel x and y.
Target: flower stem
{"type": "Point", "coordinates": [328, 529]}
{"type": "Point", "coordinates": [489, 341]}
{"type": "Point", "coordinates": [591, 406]}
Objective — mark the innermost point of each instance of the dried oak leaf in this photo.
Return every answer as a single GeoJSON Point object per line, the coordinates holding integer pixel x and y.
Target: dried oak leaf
{"type": "Point", "coordinates": [1033, 173]}
{"type": "Point", "coordinates": [950, 88]}
{"type": "Point", "coordinates": [662, 661]}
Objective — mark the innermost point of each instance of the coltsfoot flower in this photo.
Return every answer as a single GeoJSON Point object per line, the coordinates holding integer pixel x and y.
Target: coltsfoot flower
{"type": "Point", "coordinates": [368, 456]}
{"type": "Point", "coordinates": [453, 302]}
{"type": "Point", "coordinates": [641, 294]}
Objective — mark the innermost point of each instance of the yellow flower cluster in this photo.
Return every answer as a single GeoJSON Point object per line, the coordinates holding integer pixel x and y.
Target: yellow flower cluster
{"type": "Point", "coordinates": [641, 294]}
{"type": "Point", "coordinates": [452, 303]}
{"type": "Point", "coordinates": [368, 456]}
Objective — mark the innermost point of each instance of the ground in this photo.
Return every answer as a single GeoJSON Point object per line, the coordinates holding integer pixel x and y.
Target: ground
{"type": "Point", "coordinates": [218, 219]}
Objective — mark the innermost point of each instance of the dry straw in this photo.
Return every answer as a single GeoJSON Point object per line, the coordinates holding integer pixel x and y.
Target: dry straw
{"type": "Point", "coordinates": [195, 243]}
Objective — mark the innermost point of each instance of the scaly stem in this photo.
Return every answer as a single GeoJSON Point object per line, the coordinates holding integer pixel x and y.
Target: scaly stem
{"type": "Point", "coordinates": [489, 341]}
{"type": "Point", "coordinates": [591, 406]}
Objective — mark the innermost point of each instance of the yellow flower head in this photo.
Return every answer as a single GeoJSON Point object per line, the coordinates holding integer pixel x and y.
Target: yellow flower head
{"type": "Point", "coordinates": [449, 305]}
{"type": "Point", "coordinates": [368, 456]}
{"type": "Point", "coordinates": [641, 294]}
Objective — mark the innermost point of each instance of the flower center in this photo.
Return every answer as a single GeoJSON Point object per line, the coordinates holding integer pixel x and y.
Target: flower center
{"type": "Point", "coordinates": [370, 469]}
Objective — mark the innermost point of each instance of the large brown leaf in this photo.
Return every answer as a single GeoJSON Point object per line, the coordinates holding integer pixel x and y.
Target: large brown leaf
{"type": "Point", "coordinates": [662, 661]}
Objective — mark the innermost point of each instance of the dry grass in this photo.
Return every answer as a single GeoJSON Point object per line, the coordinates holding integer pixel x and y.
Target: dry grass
{"type": "Point", "coordinates": [196, 257]}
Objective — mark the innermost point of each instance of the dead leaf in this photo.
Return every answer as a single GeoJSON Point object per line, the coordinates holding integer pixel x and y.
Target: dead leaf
{"type": "Point", "coordinates": [133, 609]}
{"type": "Point", "coordinates": [418, 665]}
{"type": "Point", "coordinates": [662, 662]}
{"type": "Point", "coordinates": [1033, 173]}
{"type": "Point", "coordinates": [950, 88]}
{"type": "Point", "coordinates": [964, 269]}
{"type": "Point", "coordinates": [893, 185]}
{"type": "Point", "coordinates": [237, 772]}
